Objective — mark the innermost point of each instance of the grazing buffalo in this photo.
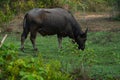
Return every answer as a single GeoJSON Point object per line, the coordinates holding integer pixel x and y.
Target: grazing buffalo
{"type": "Point", "coordinates": [50, 22]}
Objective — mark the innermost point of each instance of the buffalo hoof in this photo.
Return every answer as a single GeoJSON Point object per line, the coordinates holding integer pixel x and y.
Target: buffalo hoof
{"type": "Point", "coordinates": [35, 49]}
{"type": "Point", "coordinates": [22, 49]}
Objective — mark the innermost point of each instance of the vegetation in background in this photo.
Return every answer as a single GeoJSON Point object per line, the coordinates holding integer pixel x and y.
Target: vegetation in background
{"type": "Point", "coordinates": [10, 8]}
{"type": "Point", "coordinates": [116, 7]}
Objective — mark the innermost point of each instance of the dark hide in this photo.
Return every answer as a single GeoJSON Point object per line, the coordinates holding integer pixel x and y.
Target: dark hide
{"type": "Point", "coordinates": [50, 22]}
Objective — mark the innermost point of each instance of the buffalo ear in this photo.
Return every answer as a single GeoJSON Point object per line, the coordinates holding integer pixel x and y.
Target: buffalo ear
{"type": "Point", "coordinates": [86, 30]}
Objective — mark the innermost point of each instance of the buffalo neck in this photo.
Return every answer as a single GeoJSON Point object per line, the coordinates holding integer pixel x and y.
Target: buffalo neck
{"type": "Point", "coordinates": [76, 29]}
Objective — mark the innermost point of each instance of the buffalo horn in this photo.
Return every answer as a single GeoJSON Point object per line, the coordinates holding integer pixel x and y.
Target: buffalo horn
{"type": "Point", "coordinates": [86, 30]}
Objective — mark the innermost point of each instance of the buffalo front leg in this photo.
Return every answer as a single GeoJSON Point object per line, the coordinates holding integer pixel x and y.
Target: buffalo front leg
{"type": "Point", "coordinates": [32, 38]}
{"type": "Point", "coordinates": [23, 37]}
{"type": "Point", "coordinates": [59, 41]}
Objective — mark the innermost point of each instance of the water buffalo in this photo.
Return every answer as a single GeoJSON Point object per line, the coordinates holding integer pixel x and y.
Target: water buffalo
{"type": "Point", "coordinates": [50, 22]}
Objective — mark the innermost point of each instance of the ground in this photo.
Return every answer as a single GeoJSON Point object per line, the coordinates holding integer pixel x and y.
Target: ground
{"type": "Point", "coordinates": [102, 47]}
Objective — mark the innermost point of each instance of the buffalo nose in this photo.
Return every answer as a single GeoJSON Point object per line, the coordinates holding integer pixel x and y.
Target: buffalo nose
{"type": "Point", "coordinates": [82, 48]}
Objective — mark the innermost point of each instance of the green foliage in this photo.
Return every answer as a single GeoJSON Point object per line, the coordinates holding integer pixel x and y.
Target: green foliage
{"type": "Point", "coordinates": [14, 67]}
{"type": "Point", "coordinates": [6, 16]}
{"type": "Point", "coordinates": [8, 53]}
{"type": "Point", "coordinates": [86, 57]}
{"type": "Point", "coordinates": [53, 70]}
{"type": "Point", "coordinates": [96, 5]}
{"type": "Point", "coordinates": [115, 8]}
{"type": "Point", "coordinates": [26, 69]}
{"type": "Point", "coordinates": [9, 8]}
{"type": "Point", "coordinates": [84, 60]}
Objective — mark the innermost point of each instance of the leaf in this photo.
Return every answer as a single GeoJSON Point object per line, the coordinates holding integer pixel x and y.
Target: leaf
{"type": "Point", "coordinates": [28, 77]}
{"type": "Point", "coordinates": [22, 73]}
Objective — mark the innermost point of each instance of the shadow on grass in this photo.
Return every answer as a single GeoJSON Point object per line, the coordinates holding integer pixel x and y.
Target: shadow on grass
{"type": "Point", "coordinates": [28, 52]}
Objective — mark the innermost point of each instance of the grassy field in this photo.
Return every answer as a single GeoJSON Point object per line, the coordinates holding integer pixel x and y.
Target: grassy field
{"type": "Point", "coordinates": [99, 61]}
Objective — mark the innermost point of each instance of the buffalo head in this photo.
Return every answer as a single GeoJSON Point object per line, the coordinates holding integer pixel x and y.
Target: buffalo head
{"type": "Point", "coordinates": [81, 39]}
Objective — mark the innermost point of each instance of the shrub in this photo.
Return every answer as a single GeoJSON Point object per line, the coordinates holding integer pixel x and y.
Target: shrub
{"type": "Point", "coordinates": [14, 67]}
{"type": "Point", "coordinates": [80, 67]}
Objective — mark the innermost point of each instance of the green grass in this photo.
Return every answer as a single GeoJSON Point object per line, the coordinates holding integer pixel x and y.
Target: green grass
{"type": "Point", "coordinates": [107, 47]}
{"type": "Point", "coordinates": [102, 47]}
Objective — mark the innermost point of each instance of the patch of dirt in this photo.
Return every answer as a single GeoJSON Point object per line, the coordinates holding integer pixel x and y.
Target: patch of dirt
{"type": "Point", "coordinates": [95, 22]}
{"type": "Point", "coordinates": [98, 22]}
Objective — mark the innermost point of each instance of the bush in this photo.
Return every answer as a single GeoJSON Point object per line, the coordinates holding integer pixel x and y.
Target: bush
{"type": "Point", "coordinates": [14, 67]}
{"type": "Point", "coordinates": [13, 7]}
{"type": "Point", "coordinates": [79, 66]}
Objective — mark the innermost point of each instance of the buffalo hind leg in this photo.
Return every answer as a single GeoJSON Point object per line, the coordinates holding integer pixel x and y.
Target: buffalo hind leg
{"type": "Point", "coordinates": [23, 37]}
{"type": "Point", "coordinates": [59, 41]}
{"type": "Point", "coordinates": [32, 38]}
